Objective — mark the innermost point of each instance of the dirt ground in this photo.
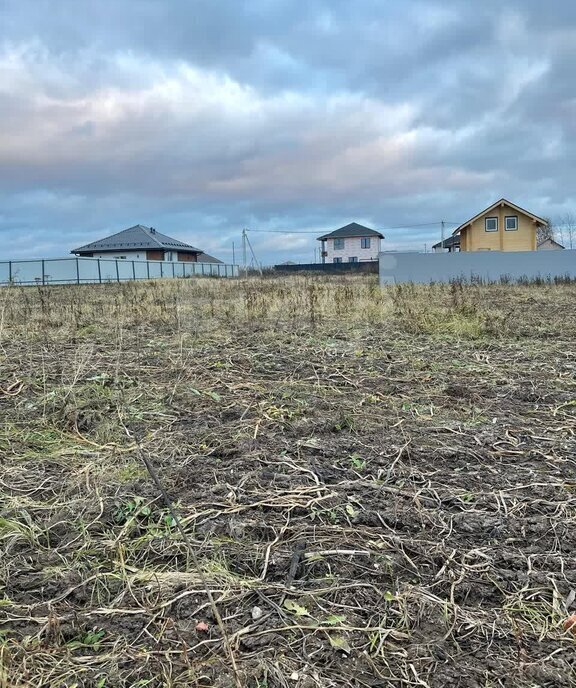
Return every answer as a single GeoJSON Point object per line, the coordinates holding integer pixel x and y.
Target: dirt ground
{"type": "Point", "coordinates": [379, 487]}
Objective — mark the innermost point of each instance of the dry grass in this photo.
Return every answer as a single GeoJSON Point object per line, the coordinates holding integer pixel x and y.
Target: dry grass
{"type": "Point", "coordinates": [379, 485]}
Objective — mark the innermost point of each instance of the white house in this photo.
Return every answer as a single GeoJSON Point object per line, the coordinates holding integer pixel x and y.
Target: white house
{"type": "Point", "coordinates": [142, 243]}
{"type": "Point", "coordinates": [353, 243]}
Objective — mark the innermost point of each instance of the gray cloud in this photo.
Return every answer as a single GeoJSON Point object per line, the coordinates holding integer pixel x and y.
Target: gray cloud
{"type": "Point", "coordinates": [202, 117]}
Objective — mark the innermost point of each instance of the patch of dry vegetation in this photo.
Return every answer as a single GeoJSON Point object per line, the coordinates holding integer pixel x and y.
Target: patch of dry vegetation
{"type": "Point", "coordinates": [379, 485]}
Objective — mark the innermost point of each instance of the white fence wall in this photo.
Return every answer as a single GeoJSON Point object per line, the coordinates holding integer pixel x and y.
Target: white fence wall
{"type": "Point", "coordinates": [98, 270]}
{"type": "Point", "coordinates": [486, 266]}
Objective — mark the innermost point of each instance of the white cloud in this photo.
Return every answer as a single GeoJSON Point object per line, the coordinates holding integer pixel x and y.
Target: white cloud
{"type": "Point", "coordinates": [284, 114]}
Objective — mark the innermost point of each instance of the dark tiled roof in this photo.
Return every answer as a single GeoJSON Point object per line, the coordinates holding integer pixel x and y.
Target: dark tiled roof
{"type": "Point", "coordinates": [134, 238]}
{"type": "Point", "coordinates": [206, 258]}
{"type": "Point", "coordinates": [449, 242]}
{"type": "Point", "coordinates": [352, 230]}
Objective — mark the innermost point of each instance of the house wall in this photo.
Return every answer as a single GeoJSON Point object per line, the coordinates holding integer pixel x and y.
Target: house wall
{"type": "Point", "coordinates": [352, 247]}
{"type": "Point", "coordinates": [187, 257]}
{"type": "Point", "coordinates": [178, 256]}
{"type": "Point", "coordinates": [129, 255]}
{"type": "Point", "coordinates": [476, 238]}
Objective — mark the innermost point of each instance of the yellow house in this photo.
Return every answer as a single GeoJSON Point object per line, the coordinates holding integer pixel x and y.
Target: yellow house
{"type": "Point", "coordinates": [501, 227]}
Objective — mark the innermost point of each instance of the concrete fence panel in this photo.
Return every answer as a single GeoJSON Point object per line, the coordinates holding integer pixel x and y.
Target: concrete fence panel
{"type": "Point", "coordinates": [484, 266]}
{"type": "Point", "coordinates": [87, 270]}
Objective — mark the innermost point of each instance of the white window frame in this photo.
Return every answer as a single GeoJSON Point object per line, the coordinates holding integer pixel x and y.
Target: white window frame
{"type": "Point", "coordinates": [337, 260]}
{"type": "Point", "coordinates": [486, 224]}
{"type": "Point", "coordinates": [339, 244]}
{"type": "Point", "coordinates": [365, 242]}
{"type": "Point", "coordinates": [511, 217]}
{"type": "Point", "coordinates": [352, 259]}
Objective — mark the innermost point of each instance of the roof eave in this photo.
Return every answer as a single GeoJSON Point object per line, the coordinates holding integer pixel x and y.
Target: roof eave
{"type": "Point", "coordinates": [350, 236]}
{"type": "Point", "coordinates": [128, 249]}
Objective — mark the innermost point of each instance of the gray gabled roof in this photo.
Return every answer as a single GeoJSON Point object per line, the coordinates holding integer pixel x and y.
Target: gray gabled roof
{"type": "Point", "coordinates": [207, 258]}
{"type": "Point", "coordinates": [134, 238]}
{"type": "Point", "coordinates": [352, 230]}
{"type": "Point", "coordinates": [549, 240]}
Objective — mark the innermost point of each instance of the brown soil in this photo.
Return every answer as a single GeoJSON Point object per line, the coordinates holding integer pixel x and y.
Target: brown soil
{"type": "Point", "coordinates": [373, 502]}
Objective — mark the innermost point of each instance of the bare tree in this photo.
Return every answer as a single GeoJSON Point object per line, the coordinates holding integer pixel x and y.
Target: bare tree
{"type": "Point", "coordinates": [547, 231]}
{"type": "Point", "coordinates": [566, 229]}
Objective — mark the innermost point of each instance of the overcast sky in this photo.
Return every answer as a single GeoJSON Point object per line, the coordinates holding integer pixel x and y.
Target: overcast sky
{"type": "Point", "coordinates": [201, 117]}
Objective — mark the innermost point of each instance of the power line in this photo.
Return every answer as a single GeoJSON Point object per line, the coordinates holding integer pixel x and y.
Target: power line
{"type": "Point", "coordinates": [385, 229]}
{"type": "Point", "coordinates": [282, 231]}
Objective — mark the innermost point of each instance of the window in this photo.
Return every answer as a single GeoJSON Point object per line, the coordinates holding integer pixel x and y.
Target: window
{"type": "Point", "coordinates": [353, 259]}
{"type": "Point", "coordinates": [365, 243]}
{"type": "Point", "coordinates": [338, 244]}
{"type": "Point", "coordinates": [491, 224]}
{"type": "Point", "coordinates": [337, 260]}
{"type": "Point", "coordinates": [511, 223]}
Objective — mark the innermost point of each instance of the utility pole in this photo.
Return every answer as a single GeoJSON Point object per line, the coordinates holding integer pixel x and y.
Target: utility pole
{"type": "Point", "coordinates": [442, 234]}
{"type": "Point", "coordinates": [233, 255]}
{"type": "Point", "coordinates": [255, 260]}
{"type": "Point", "coordinates": [244, 262]}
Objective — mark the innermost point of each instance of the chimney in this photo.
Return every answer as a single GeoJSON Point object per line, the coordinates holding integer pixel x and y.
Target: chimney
{"type": "Point", "coordinates": [152, 230]}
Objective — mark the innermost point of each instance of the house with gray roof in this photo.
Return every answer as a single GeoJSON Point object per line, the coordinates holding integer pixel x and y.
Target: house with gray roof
{"type": "Point", "coordinates": [549, 244]}
{"type": "Point", "coordinates": [140, 243]}
{"type": "Point", "coordinates": [353, 243]}
{"type": "Point", "coordinates": [451, 244]}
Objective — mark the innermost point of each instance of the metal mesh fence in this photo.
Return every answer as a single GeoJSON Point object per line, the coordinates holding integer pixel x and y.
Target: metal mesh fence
{"type": "Point", "coordinates": [99, 270]}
